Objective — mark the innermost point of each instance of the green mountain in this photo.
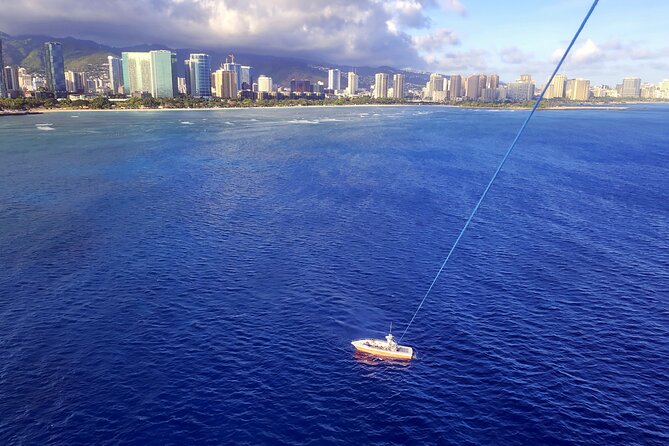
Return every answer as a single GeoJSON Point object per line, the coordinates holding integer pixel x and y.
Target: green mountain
{"type": "Point", "coordinates": [79, 55]}
{"type": "Point", "coordinates": [86, 55]}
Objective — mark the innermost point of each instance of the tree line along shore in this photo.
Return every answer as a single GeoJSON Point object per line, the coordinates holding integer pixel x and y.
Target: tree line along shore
{"type": "Point", "coordinates": [18, 105]}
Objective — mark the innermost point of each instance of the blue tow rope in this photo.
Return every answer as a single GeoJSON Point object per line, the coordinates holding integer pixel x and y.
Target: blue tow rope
{"type": "Point", "coordinates": [501, 164]}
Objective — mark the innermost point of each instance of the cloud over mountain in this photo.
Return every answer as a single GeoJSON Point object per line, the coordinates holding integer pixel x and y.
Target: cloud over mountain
{"type": "Point", "coordinates": [341, 31]}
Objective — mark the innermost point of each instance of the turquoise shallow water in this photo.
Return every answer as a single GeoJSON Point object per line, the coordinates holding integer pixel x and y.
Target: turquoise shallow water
{"type": "Point", "coordinates": [197, 277]}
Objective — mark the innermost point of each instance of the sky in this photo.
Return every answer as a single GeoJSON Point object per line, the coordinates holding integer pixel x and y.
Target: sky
{"type": "Point", "coordinates": [510, 38]}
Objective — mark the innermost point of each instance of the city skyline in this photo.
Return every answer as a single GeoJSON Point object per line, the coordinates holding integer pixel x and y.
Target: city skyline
{"type": "Point", "coordinates": [445, 36]}
{"type": "Point", "coordinates": [154, 73]}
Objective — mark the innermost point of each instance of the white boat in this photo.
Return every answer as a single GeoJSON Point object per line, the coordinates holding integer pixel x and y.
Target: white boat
{"type": "Point", "coordinates": [387, 349]}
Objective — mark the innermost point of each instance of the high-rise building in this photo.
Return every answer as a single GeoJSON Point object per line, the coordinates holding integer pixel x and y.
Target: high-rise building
{"type": "Point", "coordinates": [398, 86]}
{"type": "Point", "coordinates": [25, 80]}
{"type": "Point", "coordinates": [137, 72]}
{"type": "Point", "coordinates": [151, 72]}
{"type": "Point", "coordinates": [380, 85]}
{"type": "Point", "coordinates": [472, 87]}
{"type": "Point", "coordinates": [663, 85]}
{"type": "Point", "coordinates": [69, 81]}
{"type": "Point", "coordinates": [115, 74]}
{"type": "Point", "coordinates": [455, 86]}
{"type": "Point", "coordinates": [55, 68]}
{"type": "Point", "coordinates": [352, 87]}
{"type": "Point", "coordinates": [631, 87]}
{"type": "Point", "coordinates": [198, 76]}
{"type": "Point", "coordinates": [163, 74]}
{"type": "Point", "coordinates": [3, 86]}
{"type": "Point", "coordinates": [300, 86]}
{"type": "Point", "coordinates": [181, 85]}
{"type": "Point", "coordinates": [525, 78]}
{"type": "Point", "coordinates": [520, 91]}
{"type": "Point", "coordinates": [334, 79]}
{"type": "Point", "coordinates": [436, 83]}
{"type": "Point", "coordinates": [483, 82]}
{"type": "Point", "coordinates": [230, 65]}
{"type": "Point", "coordinates": [76, 82]}
{"type": "Point", "coordinates": [11, 75]}
{"type": "Point", "coordinates": [246, 78]}
{"type": "Point", "coordinates": [225, 83]}
{"type": "Point", "coordinates": [502, 91]}
{"type": "Point", "coordinates": [489, 94]}
{"type": "Point", "coordinates": [265, 84]}
{"type": "Point", "coordinates": [493, 82]}
{"type": "Point", "coordinates": [578, 89]}
{"type": "Point", "coordinates": [648, 91]}
{"type": "Point", "coordinates": [556, 89]}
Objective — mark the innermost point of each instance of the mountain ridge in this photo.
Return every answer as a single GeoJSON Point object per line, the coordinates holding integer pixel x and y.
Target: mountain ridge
{"type": "Point", "coordinates": [85, 55]}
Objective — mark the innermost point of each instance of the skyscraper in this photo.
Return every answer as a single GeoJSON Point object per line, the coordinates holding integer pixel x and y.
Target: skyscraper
{"type": "Point", "coordinates": [163, 74]}
{"type": "Point", "coordinates": [631, 87]}
{"type": "Point", "coordinates": [472, 87]}
{"type": "Point", "coordinates": [137, 72]}
{"type": "Point", "coordinates": [520, 91]}
{"type": "Point", "coordinates": [225, 83]}
{"type": "Point", "coordinates": [398, 86]}
{"type": "Point", "coordinates": [11, 76]}
{"type": "Point", "coordinates": [198, 76]}
{"type": "Point", "coordinates": [115, 74]}
{"type": "Point", "coordinates": [55, 68]}
{"type": "Point", "coordinates": [75, 82]}
{"type": "Point", "coordinates": [556, 89]}
{"type": "Point", "coordinates": [334, 79]}
{"type": "Point", "coordinates": [578, 89]}
{"type": "Point", "coordinates": [230, 65]}
{"type": "Point", "coordinates": [69, 81]}
{"type": "Point", "coordinates": [436, 83]}
{"type": "Point", "coordinates": [3, 86]}
{"type": "Point", "coordinates": [300, 86]}
{"type": "Point", "coordinates": [25, 80]}
{"type": "Point", "coordinates": [493, 82]}
{"type": "Point", "coordinates": [246, 80]}
{"type": "Point", "coordinates": [265, 84]}
{"type": "Point", "coordinates": [380, 85]}
{"type": "Point", "coordinates": [483, 82]}
{"type": "Point", "coordinates": [455, 86]}
{"type": "Point", "coordinates": [352, 87]}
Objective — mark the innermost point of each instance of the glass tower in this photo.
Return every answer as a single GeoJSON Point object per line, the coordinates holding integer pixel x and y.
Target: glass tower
{"type": "Point", "coordinates": [115, 73]}
{"type": "Point", "coordinates": [55, 68]}
{"type": "Point", "coordinates": [198, 76]}
{"type": "Point", "coordinates": [136, 69]}
{"type": "Point", "coordinates": [163, 74]}
{"type": "Point", "coordinates": [3, 87]}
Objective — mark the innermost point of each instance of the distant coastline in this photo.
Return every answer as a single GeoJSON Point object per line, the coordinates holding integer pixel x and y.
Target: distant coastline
{"type": "Point", "coordinates": [590, 106]}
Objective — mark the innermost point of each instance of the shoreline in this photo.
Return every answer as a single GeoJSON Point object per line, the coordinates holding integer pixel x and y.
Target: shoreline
{"type": "Point", "coordinates": [555, 108]}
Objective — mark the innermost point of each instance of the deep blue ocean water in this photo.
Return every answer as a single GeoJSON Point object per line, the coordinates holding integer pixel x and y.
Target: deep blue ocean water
{"type": "Point", "coordinates": [197, 277]}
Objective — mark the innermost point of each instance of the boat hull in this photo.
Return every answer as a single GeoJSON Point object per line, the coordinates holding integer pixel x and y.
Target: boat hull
{"type": "Point", "coordinates": [367, 346]}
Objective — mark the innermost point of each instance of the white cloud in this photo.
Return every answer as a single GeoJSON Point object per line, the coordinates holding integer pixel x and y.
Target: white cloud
{"type": "Point", "coordinates": [436, 40]}
{"type": "Point", "coordinates": [453, 5]}
{"type": "Point", "coordinates": [515, 56]}
{"type": "Point", "coordinates": [343, 31]}
{"type": "Point", "coordinates": [468, 61]}
{"type": "Point", "coordinates": [588, 52]}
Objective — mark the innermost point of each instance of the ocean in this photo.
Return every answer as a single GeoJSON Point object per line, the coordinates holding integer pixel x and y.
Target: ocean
{"type": "Point", "coordinates": [196, 277]}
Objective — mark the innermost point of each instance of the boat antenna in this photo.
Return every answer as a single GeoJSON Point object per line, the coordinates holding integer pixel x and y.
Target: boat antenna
{"type": "Point", "coordinates": [506, 155]}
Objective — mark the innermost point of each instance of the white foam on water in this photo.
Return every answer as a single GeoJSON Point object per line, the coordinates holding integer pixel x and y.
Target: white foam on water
{"type": "Point", "coordinates": [303, 121]}
{"type": "Point", "coordinates": [186, 123]}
